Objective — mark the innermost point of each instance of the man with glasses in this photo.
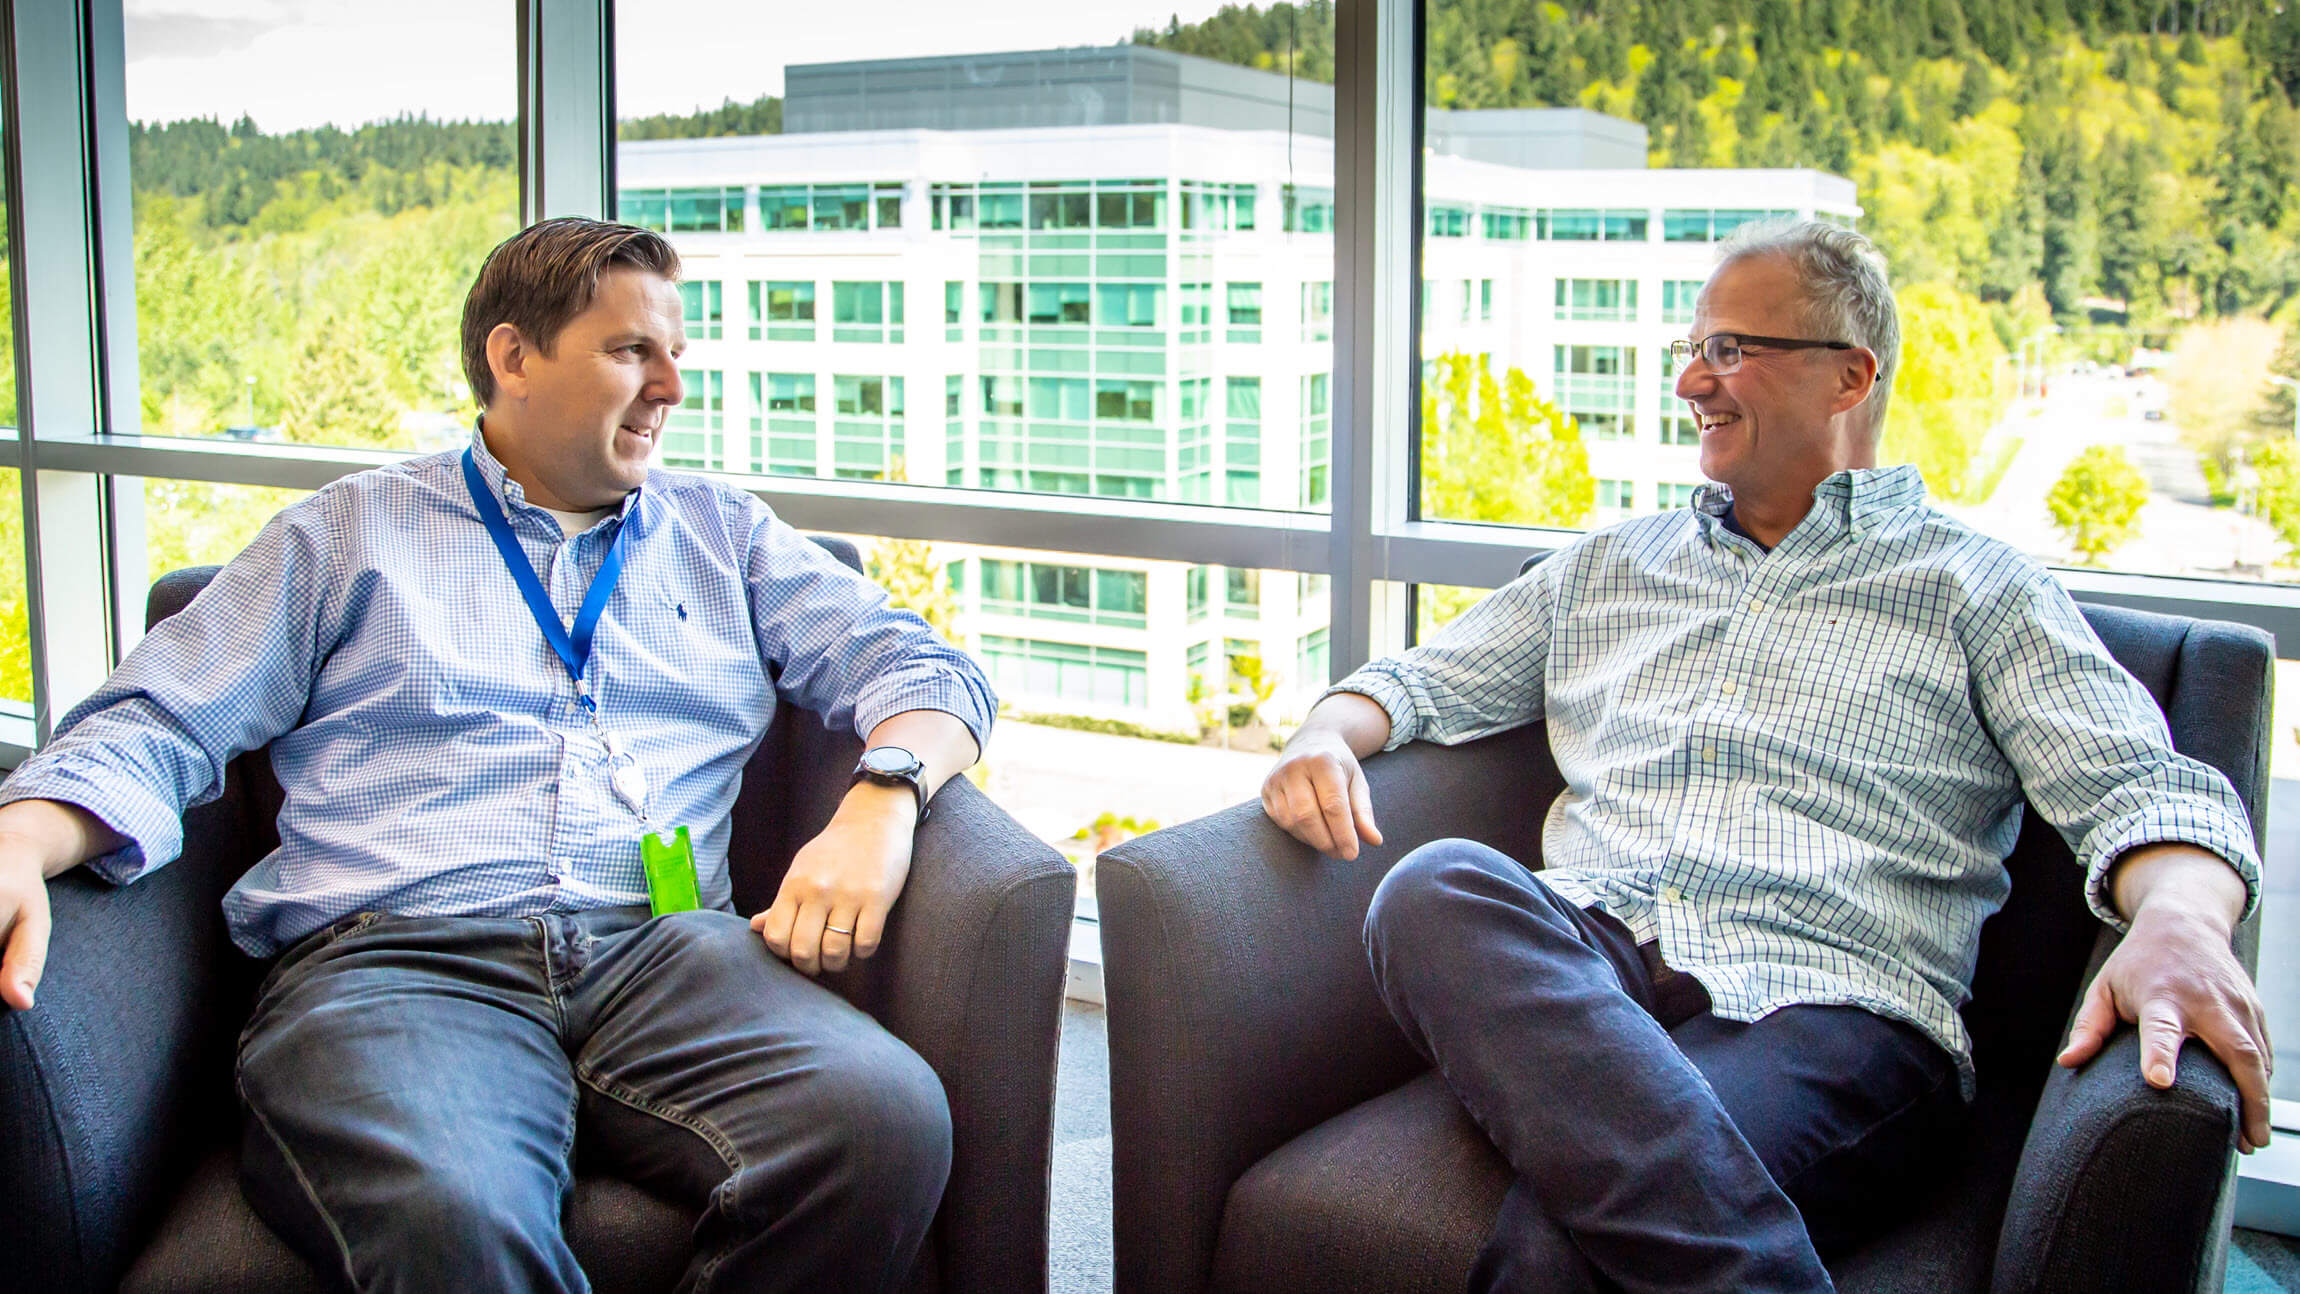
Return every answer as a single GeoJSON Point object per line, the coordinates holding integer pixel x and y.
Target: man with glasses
{"type": "Point", "coordinates": [1718, 1030]}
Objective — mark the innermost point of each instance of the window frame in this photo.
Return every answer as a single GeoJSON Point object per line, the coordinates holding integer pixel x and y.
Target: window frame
{"type": "Point", "coordinates": [79, 456]}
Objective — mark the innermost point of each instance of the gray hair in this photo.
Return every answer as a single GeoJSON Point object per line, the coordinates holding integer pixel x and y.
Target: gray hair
{"type": "Point", "coordinates": [1847, 296]}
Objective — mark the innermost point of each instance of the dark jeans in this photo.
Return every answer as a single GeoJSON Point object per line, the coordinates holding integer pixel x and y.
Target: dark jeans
{"type": "Point", "coordinates": [415, 1087]}
{"type": "Point", "coordinates": [1656, 1146]}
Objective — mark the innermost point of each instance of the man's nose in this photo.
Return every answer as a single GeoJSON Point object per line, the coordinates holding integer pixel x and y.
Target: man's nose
{"type": "Point", "coordinates": [664, 385]}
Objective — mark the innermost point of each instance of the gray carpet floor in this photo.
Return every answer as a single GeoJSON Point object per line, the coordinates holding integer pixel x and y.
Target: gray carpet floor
{"type": "Point", "coordinates": [1081, 1223]}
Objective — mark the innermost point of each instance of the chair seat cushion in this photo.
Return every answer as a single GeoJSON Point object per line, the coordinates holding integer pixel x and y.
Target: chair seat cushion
{"type": "Point", "coordinates": [626, 1239]}
{"type": "Point", "coordinates": [1400, 1192]}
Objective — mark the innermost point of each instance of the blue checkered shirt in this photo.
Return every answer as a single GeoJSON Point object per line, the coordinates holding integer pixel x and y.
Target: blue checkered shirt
{"type": "Point", "coordinates": [434, 758]}
{"type": "Point", "coordinates": [1801, 771]}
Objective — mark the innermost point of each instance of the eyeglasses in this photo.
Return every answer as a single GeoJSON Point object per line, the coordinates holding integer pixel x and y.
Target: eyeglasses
{"type": "Point", "coordinates": [1721, 351]}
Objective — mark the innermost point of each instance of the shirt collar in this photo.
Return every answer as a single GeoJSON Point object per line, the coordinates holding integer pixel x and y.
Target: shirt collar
{"type": "Point", "coordinates": [635, 510]}
{"type": "Point", "coordinates": [1855, 499]}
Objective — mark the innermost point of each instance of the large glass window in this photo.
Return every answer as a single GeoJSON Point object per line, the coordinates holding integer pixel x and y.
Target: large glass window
{"type": "Point", "coordinates": [1111, 329]}
{"type": "Point", "coordinates": [2087, 223]}
{"type": "Point", "coordinates": [303, 238]}
{"type": "Point", "coordinates": [1146, 263]}
{"type": "Point", "coordinates": [15, 619]}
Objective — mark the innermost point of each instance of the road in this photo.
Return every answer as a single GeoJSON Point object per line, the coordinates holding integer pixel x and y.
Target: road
{"type": "Point", "coordinates": [2180, 532]}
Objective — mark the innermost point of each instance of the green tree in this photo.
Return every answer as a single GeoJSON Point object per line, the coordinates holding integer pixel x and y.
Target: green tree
{"type": "Point", "coordinates": [2214, 391]}
{"type": "Point", "coordinates": [1494, 450]}
{"type": "Point", "coordinates": [912, 578]}
{"type": "Point", "coordinates": [2096, 502]}
{"type": "Point", "coordinates": [2277, 462]}
{"type": "Point", "coordinates": [1948, 395]}
{"type": "Point", "coordinates": [916, 582]}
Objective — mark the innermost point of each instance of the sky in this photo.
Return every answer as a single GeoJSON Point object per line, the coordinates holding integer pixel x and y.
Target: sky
{"type": "Point", "coordinates": [297, 63]}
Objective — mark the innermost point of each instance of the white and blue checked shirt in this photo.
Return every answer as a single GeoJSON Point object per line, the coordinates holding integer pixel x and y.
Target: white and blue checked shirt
{"type": "Point", "coordinates": [1801, 770]}
{"type": "Point", "coordinates": [434, 758]}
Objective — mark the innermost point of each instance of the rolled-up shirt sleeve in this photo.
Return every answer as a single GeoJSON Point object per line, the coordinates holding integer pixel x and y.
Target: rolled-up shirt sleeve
{"type": "Point", "coordinates": [1479, 675]}
{"type": "Point", "coordinates": [843, 649]}
{"type": "Point", "coordinates": [224, 675]}
{"type": "Point", "coordinates": [2092, 749]}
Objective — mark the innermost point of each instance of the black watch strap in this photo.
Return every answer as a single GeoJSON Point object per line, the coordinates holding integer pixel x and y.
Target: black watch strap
{"type": "Point", "coordinates": [909, 772]}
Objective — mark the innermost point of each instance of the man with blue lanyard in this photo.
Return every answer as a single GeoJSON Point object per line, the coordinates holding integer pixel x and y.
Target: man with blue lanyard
{"type": "Point", "coordinates": [1716, 1034]}
{"type": "Point", "coordinates": [509, 692]}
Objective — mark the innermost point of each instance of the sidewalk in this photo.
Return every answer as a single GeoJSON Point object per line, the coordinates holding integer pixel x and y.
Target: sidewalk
{"type": "Point", "coordinates": [1055, 781]}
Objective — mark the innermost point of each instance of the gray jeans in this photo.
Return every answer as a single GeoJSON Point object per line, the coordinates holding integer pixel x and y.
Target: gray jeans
{"type": "Point", "coordinates": [416, 1088]}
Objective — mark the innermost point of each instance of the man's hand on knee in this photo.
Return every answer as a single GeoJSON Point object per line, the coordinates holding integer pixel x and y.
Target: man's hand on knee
{"type": "Point", "coordinates": [834, 901]}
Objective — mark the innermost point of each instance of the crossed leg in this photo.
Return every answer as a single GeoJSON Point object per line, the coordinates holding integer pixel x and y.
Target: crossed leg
{"type": "Point", "coordinates": [1646, 1157]}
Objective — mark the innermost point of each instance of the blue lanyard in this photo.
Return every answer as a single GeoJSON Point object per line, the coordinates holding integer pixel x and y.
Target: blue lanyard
{"type": "Point", "coordinates": [574, 652]}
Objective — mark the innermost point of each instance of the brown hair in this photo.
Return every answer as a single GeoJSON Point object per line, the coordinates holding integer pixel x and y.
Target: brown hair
{"type": "Point", "coordinates": [544, 275]}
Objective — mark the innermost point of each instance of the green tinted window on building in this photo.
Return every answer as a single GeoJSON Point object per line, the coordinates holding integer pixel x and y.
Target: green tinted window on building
{"type": "Point", "coordinates": [702, 310]}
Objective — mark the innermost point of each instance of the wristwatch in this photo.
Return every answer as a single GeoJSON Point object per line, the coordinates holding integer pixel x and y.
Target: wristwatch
{"type": "Point", "coordinates": [894, 766]}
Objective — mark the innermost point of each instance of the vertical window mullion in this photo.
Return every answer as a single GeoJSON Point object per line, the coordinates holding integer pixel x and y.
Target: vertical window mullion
{"type": "Point", "coordinates": [566, 109]}
{"type": "Point", "coordinates": [55, 256]}
{"type": "Point", "coordinates": [1377, 130]}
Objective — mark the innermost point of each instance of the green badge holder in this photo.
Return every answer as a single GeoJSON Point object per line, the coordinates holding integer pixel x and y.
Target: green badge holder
{"type": "Point", "coordinates": [670, 873]}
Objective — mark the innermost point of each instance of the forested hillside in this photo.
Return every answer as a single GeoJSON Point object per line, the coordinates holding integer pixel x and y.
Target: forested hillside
{"type": "Point", "coordinates": [2116, 167]}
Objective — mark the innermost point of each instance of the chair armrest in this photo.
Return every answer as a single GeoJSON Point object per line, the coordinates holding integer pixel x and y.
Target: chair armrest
{"type": "Point", "coordinates": [1242, 1008]}
{"type": "Point", "coordinates": [975, 960]}
{"type": "Point", "coordinates": [2122, 1186]}
{"type": "Point", "coordinates": [970, 975]}
{"type": "Point", "coordinates": [120, 1073]}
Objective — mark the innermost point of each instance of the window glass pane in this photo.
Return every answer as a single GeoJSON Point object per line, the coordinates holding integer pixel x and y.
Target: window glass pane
{"type": "Point", "coordinates": [1144, 266]}
{"type": "Point", "coordinates": [2097, 364]}
{"type": "Point", "coordinates": [15, 621]}
{"type": "Point", "coordinates": [195, 523]}
{"type": "Point", "coordinates": [304, 238]}
{"type": "Point", "coordinates": [1128, 326]}
{"type": "Point", "coordinates": [1129, 701]}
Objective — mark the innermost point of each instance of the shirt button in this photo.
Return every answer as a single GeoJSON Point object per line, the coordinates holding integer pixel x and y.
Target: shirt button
{"type": "Point", "coordinates": [1709, 753]}
{"type": "Point", "coordinates": [1726, 687]}
{"type": "Point", "coordinates": [1756, 608]}
{"type": "Point", "coordinates": [1671, 893]}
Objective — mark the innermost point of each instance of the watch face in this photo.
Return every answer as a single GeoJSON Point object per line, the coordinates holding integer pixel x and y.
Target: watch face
{"type": "Point", "coordinates": [889, 759]}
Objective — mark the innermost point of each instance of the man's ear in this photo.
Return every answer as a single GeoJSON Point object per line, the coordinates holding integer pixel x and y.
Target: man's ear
{"type": "Point", "coordinates": [507, 356]}
{"type": "Point", "coordinates": [1856, 378]}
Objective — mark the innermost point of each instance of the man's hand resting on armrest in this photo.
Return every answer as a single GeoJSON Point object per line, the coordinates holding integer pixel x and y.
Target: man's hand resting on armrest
{"type": "Point", "coordinates": [38, 838]}
{"type": "Point", "coordinates": [2175, 975]}
{"type": "Point", "coordinates": [842, 884]}
{"type": "Point", "coordinates": [1317, 791]}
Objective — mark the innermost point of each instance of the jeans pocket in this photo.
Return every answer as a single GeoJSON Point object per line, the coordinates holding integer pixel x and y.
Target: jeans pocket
{"type": "Point", "coordinates": [302, 951]}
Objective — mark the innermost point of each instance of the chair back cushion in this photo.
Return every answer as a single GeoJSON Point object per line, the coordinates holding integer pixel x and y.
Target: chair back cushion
{"type": "Point", "coordinates": [2033, 952]}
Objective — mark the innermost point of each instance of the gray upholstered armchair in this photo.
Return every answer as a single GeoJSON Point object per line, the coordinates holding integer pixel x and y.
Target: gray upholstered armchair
{"type": "Point", "coordinates": [1273, 1131]}
{"type": "Point", "coordinates": [118, 1128]}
